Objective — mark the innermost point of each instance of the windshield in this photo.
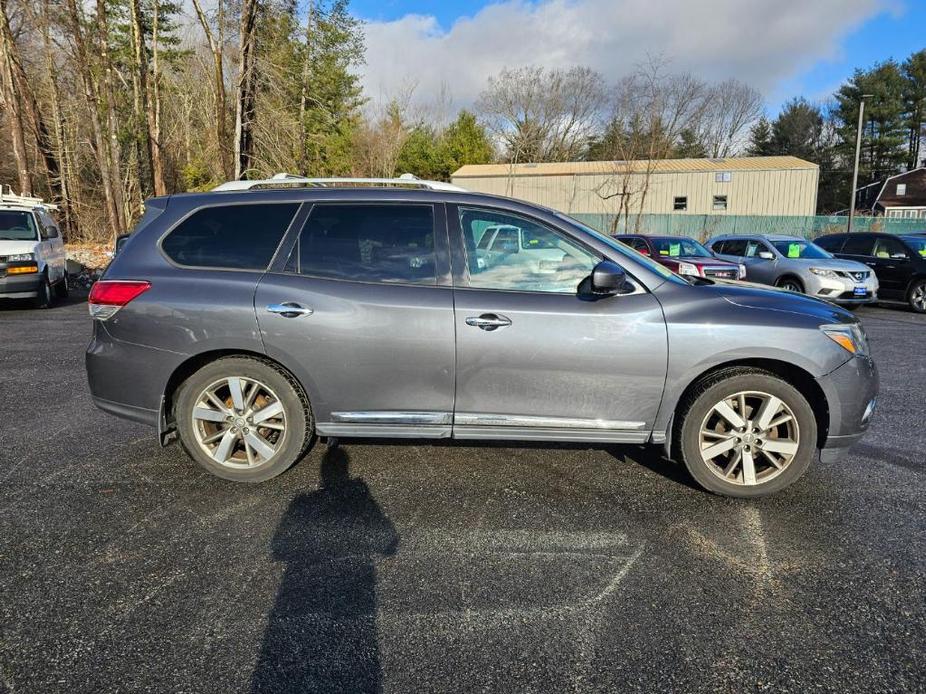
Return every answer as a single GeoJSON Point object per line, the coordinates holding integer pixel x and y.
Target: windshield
{"type": "Point", "coordinates": [800, 249]}
{"type": "Point", "coordinates": [917, 244]}
{"type": "Point", "coordinates": [17, 226]}
{"type": "Point", "coordinates": [623, 249]}
{"type": "Point", "coordinates": [675, 247]}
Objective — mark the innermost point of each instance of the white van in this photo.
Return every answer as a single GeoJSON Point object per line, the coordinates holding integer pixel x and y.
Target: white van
{"type": "Point", "coordinates": [32, 258]}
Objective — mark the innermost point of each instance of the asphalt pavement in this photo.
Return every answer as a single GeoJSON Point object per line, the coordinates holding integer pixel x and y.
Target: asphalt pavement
{"type": "Point", "coordinates": [446, 568]}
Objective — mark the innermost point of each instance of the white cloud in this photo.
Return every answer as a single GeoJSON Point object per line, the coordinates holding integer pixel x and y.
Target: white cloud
{"type": "Point", "coordinates": [761, 42]}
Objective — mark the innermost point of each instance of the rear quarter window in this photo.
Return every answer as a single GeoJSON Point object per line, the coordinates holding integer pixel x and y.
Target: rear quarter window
{"type": "Point", "coordinates": [239, 237]}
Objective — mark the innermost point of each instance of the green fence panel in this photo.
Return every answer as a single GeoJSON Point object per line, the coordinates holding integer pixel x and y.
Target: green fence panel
{"type": "Point", "coordinates": [705, 226]}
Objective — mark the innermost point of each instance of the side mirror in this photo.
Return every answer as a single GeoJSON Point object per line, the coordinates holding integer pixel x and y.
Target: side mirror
{"type": "Point", "coordinates": [607, 279]}
{"type": "Point", "coordinates": [645, 251]}
{"type": "Point", "coordinates": [766, 255]}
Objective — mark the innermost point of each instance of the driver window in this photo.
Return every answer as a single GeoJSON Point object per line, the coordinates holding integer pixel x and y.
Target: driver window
{"type": "Point", "coordinates": [889, 248]}
{"type": "Point", "coordinates": [523, 256]}
{"type": "Point", "coordinates": [753, 248]}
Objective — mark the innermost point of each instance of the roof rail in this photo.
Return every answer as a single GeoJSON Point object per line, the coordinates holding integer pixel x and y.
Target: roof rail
{"type": "Point", "coordinates": [8, 197]}
{"type": "Point", "coordinates": [286, 180]}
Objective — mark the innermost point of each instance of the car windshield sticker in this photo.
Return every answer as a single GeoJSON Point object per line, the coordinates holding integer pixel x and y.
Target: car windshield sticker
{"type": "Point", "coordinates": [794, 250]}
{"type": "Point", "coordinates": [922, 251]}
{"type": "Point", "coordinates": [675, 249]}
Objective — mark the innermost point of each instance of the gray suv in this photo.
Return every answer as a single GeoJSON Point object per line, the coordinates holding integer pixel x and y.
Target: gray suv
{"type": "Point", "coordinates": [251, 320]}
{"type": "Point", "coordinates": [798, 265]}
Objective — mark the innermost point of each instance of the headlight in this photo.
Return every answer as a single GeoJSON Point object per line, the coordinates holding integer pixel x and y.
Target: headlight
{"type": "Point", "coordinates": [20, 257]}
{"type": "Point", "coordinates": [824, 272]}
{"type": "Point", "coordinates": [850, 336]}
{"type": "Point", "coordinates": [688, 269]}
{"type": "Point", "coordinates": [742, 272]}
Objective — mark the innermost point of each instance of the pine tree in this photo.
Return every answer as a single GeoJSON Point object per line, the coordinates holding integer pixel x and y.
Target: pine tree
{"type": "Point", "coordinates": [760, 139]}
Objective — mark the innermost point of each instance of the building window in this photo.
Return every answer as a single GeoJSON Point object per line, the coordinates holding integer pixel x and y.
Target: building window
{"type": "Point", "coordinates": [680, 204]}
{"type": "Point", "coordinates": [723, 177]}
{"type": "Point", "coordinates": [901, 189]}
{"type": "Point", "coordinates": [720, 202]}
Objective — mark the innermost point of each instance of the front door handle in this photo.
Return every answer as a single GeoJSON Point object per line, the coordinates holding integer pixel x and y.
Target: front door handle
{"type": "Point", "coordinates": [488, 321]}
{"type": "Point", "coordinates": [290, 309]}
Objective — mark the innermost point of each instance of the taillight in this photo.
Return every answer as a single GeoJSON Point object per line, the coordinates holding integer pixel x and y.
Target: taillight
{"type": "Point", "coordinates": [108, 296]}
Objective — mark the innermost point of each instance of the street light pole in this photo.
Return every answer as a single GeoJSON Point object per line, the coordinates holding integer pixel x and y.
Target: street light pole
{"type": "Point", "coordinates": [858, 151]}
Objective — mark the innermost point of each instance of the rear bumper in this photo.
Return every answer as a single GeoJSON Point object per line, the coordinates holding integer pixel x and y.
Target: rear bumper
{"type": "Point", "coordinates": [851, 393]}
{"type": "Point", "coordinates": [136, 414]}
{"type": "Point", "coordinates": [20, 286]}
{"type": "Point", "coordinates": [126, 379]}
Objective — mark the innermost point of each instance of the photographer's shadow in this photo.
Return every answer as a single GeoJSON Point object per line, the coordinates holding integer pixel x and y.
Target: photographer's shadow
{"type": "Point", "coordinates": [321, 636]}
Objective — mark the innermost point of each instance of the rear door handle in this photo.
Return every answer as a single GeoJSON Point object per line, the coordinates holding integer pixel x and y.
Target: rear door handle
{"type": "Point", "coordinates": [488, 321]}
{"type": "Point", "coordinates": [290, 309]}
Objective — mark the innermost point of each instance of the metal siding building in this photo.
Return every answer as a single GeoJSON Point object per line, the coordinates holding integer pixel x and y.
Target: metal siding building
{"type": "Point", "coordinates": [751, 185]}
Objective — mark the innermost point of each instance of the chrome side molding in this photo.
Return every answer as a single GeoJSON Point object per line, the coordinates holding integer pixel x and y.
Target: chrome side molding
{"type": "Point", "coordinates": [483, 419]}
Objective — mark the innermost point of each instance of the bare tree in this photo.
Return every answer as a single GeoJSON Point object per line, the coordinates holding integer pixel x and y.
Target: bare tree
{"type": "Point", "coordinates": [651, 108]}
{"type": "Point", "coordinates": [732, 107]}
{"type": "Point", "coordinates": [12, 102]}
{"type": "Point", "coordinates": [543, 115]}
{"type": "Point", "coordinates": [216, 41]}
{"type": "Point", "coordinates": [91, 94]}
{"type": "Point", "coordinates": [246, 93]}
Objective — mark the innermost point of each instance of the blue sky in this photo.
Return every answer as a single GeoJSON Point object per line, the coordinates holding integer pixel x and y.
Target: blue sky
{"type": "Point", "coordinates": [783, 47]}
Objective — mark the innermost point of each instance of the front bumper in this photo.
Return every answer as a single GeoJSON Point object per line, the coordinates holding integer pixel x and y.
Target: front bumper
{"type": "Point", "coordinates": [20, 286]}
{"type": "Point", "coordinates": [842, 290]}
{"type": "Point", "coordinates": [851, 392]}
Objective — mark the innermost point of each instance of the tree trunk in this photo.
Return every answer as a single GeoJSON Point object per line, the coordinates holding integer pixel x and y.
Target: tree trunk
{"type": "Point", "coordinates": [216, 44]}
{"type": "Point", "coordinates": [154, 109]}
{"type": "Point", "coordinates": [110, 112]}
{"type": "Point", "coordinates": [246, 91]}
{"type": "Point", "coordinates": [304, 97]}
{"type": "Point", "coordinates": [64, 202]}
{"type": "Point", "coordinates": [13, 103]}
{"type": "Point", "coordinates": [140, 102]}
{"type": "Point", "coordinates": [92, 103]}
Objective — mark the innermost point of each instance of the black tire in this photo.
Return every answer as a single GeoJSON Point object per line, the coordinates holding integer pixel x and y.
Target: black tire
{"type": "Point", "coordinates": [63, 288]}
{"type": "Point", "coordinates": [298, 434]}
{"type": "Point", "coordinates": [916, 296]}
{"type": "Point", "coordinates": [720, 385]}
{"type": "Point", "coordinates": [45, 297]}
{"type": "Point", "coordinates": [792, 284]}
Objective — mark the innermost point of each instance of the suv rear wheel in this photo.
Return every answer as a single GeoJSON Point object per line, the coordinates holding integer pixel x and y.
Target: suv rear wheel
{"type": "Point", "coordinates": [917, 296]}
{"type": "Point", "coordinates": [746, 433]}
{"type": "Point", "coordinates": [243, 419]}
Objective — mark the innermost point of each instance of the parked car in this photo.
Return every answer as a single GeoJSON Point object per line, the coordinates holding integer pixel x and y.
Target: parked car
{"type": "Point", "coordinates": [798, 265]}
{"type": "Point", "coordinates": [542, 253]}
{"type": "Point", "coordinates": [32, 258]}
{"type": "Point", "coordinates": [249, 320]}
{"type": "Point", "coordinates": [684, 256]}
{"type": "Point", "coordinates": [898, 261]}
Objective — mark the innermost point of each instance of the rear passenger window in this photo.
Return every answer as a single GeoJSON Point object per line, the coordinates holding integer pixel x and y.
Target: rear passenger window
{"type": "Point", "coordinates": [368, 243]}
{"type": "Point", "coordinates": [240, 237]}
{"type": "Point", "coordinates": [735, 247]}
{"type": "Point", "coordinates": [858, 245]}
{"type": "Point", "coordinates": [831, 243]}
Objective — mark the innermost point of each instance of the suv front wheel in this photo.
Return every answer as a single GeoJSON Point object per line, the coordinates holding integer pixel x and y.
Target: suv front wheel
{"type": "Point", "coordinates": [746, 433]}
{"type": "Point", "coordinates": [243, 419]}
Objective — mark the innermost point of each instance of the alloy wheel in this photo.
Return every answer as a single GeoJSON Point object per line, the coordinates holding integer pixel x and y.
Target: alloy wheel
{"type": "Point", "coordinates": [918, 297]}
{"type": "Point", "coordinates": [749, 438]}
{"type": "Point", "coordinates": [239, 422]}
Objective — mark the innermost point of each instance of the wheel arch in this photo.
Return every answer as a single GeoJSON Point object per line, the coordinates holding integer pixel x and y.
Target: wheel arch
{"type": "Point", "coordinates": [798, 377]}
{"type": "Point", "coordinates": [166, 424]}
{"type": "Point", "coordinates": [791, 276]}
